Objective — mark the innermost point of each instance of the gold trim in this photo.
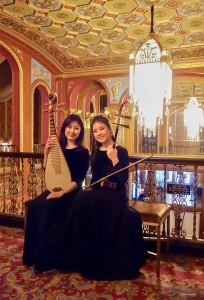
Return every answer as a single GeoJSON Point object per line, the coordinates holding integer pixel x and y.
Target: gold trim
{"type": "Point", "coordinates": [125, 70]}
{"type": "Point", "coordinates": [94, 73]}
{"type": "Point", "coordinates": [20, 91]}
{"type": "Point", "coordinates": [192, 78]}
{"type": "Point", "coordinates": [32, 106]}
{"type": "Point", "coordinates": [187, 65]}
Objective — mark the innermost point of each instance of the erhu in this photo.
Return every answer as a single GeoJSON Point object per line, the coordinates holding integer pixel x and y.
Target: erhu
{"type": "Point", "coordinates": [104, 182]}
{"type": "Point", "coordinates": [57, 172]}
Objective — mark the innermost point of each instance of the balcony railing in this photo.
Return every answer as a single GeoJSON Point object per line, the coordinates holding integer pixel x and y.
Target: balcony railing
{"type": "Point", "coordinates": [174, 180]}
{"type": "Point", "coordinates": [21, 179]}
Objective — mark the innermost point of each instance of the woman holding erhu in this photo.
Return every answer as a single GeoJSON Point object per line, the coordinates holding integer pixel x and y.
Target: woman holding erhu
{"type": "Point", "coordinates": [100, 236]}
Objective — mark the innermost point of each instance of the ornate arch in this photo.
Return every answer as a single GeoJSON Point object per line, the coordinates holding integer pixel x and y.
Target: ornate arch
{"type": "Point", "coordinates": [82, 96]}
{"type": "Point", "coordinates": [44, 90]}
{"type": "Point", "coordinates": [17, 88]}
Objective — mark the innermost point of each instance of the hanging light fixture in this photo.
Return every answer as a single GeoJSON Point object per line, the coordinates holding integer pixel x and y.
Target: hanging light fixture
{"type": "Point", "coordinates": [193, 117]}
{"type": "Point", "coordinates": [150, 82]}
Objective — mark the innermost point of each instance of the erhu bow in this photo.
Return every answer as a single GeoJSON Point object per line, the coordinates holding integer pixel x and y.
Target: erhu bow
{"type": "Point", "coordinates": [125, 168]}
{"type": "Point", "coordinates": [57, 172]}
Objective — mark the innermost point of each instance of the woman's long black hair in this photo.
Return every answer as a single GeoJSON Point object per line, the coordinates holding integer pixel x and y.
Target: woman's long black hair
{"type": "Point", "coordinates": [63, 139]}
{"type": "Point", "coordinates": [95, 144]}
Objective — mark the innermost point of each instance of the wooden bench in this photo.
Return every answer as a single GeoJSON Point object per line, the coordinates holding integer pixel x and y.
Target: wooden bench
{"type": "Point", "coordinates": [154, 214]}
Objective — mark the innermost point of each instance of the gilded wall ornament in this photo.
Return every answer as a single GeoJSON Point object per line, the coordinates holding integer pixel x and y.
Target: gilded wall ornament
{"type": "Point", "coordinates": [116, 87]}
{"type": "Point", "coordinates": [40, 72]}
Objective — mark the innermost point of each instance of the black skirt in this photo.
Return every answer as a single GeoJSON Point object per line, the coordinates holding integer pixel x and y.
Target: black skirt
{"type": "Point", "coordinates": [42, 214]}
{"type": "Point", "coordinates": [100, 237]}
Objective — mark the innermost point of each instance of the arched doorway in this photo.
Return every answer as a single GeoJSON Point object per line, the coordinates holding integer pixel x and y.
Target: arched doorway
{"type": "Point", "coordinates": [40, 118]}
{"type": "Point", "coordinates": [5, 101]}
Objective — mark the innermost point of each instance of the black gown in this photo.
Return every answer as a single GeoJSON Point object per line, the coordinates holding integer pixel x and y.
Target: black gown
{"type": "Point", "coordinates": [42, 214]}
{"type": "Point", "coordinates": [100, 236]}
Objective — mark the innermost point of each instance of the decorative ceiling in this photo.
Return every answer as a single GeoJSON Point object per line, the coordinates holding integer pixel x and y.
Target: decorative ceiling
{"type": "Point", "coordinates": [83, 33]}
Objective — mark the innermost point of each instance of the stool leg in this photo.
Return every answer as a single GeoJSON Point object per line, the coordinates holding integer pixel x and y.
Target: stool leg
{"type": "Point", "coordinates": [168, 233]}
{"type": "Point", "coordinates": [158, 251]}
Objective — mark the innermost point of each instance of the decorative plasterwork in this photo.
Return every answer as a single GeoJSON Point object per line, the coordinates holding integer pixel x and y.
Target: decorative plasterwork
{"type": "Point", "coordinates": [183, 89]}
{"type": "Point", "coordinates": [40, 72]}
{"type": "Point", "coordinates": [116, 87]}
{"type": "Point", "coordinates": [73, 33]}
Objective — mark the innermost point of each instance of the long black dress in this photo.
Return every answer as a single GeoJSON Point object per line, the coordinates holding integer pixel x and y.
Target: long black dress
{"type": "Point", "coordinates": [100, 236]}
{"type": "Point", "coordinates": [42, 214]}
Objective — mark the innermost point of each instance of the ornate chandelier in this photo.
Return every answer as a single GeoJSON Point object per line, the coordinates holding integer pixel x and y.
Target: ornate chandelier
{"type": "Point", "coordinates": [193, 117]}
{"type": "Point", "coordinates": [150, 83]}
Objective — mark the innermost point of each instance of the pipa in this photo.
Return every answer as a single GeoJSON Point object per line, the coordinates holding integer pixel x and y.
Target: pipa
{"type": "Point", "coordinates": [57, 172]}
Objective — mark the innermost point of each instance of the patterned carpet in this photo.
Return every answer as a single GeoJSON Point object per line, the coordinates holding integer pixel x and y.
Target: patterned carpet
{"type": "Point", "coordinates": [182, 277]}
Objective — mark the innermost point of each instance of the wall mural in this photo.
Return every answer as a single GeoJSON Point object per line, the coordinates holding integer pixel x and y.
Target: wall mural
{"type": "Point", "coordinates": [40, 72]}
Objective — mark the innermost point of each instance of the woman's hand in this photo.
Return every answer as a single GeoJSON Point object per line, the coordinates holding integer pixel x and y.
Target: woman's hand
{"type": "Point", "coordinates": [113, 154]}
{"type": "Point", "coordinates": [87, 189]}
{"type": "Point", "coordinates": [55, 195]}
{"type": "Point", "coordinates": [48, 145]}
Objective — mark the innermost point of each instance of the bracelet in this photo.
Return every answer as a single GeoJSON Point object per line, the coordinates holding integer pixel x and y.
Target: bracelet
{"type": "Point", "coordinates": [64, 192]}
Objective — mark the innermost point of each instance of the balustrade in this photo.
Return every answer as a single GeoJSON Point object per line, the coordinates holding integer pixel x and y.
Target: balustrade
{"type": "Point", "coordinates": [175, 181]}
{"type": "Point", "coordinates": [21, 179]}
{"type": "Point", "coordinates": [160, 179]}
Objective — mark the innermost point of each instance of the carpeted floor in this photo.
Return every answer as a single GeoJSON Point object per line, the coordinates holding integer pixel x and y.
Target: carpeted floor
{"type": "Point", "coordinates": [182, 277]}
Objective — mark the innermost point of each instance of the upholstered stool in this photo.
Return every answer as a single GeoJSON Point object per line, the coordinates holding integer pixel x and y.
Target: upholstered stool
{"type": "Point", "coordinates": [154, 214]}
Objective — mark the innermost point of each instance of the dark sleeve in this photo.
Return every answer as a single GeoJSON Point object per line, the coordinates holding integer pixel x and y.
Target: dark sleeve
{"type": "Point", "coordinates": [82, 166]}
{"type": "Point", "coordinates": [123, 157]}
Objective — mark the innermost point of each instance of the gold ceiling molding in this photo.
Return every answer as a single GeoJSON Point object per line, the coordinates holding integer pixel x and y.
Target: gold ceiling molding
{"type": "Point", "coordinates": [91, 73]}
{"type": "Point", "coordinates": [65, 62]}
{"type": "Point", "coordinates": [93, 34]}
{"type": "Point", "coordinates": [188, 65]}
{"type": "Point", "coordinates": [188, 52]}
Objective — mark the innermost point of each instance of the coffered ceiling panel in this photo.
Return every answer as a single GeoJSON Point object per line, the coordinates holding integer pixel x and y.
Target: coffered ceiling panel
{"type": "Point", "coordinates": [86, 33]}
